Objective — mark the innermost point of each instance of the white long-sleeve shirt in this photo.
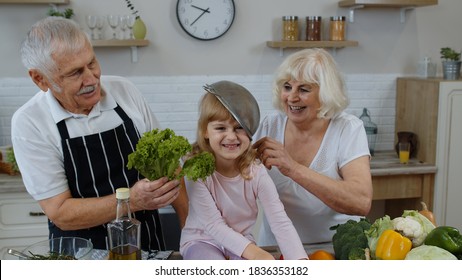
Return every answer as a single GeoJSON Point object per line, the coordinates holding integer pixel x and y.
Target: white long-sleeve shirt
{"type": "Point", "coordinates": [224, 210]}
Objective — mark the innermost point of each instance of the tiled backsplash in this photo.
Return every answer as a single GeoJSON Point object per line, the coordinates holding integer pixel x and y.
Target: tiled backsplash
{"type": "Point", "coordinates": [174, 100]}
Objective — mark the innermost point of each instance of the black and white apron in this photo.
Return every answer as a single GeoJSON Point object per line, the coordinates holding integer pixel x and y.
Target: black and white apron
{"type": "Point", "coordinates": [95, 166]}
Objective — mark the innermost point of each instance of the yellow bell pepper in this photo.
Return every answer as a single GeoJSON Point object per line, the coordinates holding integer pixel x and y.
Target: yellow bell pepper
{"type": "Point", "coordinates": [392, 246]}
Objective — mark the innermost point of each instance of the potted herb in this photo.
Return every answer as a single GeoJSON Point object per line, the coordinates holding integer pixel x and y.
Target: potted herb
{"type": "Point", "coordinates": [139, 28]}
{"type": "Point", "coordinates": [67, 13]}
{"type": "Point", "coordinates": [451, 63]}
{"type": "Point", "coordinates": [9, 166]}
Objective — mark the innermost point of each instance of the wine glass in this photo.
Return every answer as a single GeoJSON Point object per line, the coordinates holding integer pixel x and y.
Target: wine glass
{"type": "Point", "coordinates": [130, 22]}
{"type": "Point", "coordinates": [99, 25]}
{"type": "Point", "coordinates": [123, 26]}
{"type": "Point", "coordinates": [91, 23]}
{"type": "Point", "coordinates": [113, 21]}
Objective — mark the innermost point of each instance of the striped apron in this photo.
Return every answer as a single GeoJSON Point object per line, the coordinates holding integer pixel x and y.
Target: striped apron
{"type": "Point", "coordinates": [95, 166]}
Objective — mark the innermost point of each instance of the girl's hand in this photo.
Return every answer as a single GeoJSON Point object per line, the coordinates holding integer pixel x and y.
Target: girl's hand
{"type": "Point", "coordinates": [253, 252]}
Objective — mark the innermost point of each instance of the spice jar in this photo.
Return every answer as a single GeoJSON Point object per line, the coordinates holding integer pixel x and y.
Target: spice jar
{"type": "Point", "coordinates": [313, 28]}
{"type": "Point", "coordinates": [290, 28]}
{"type": "Point", "coordinates": [337, 28]}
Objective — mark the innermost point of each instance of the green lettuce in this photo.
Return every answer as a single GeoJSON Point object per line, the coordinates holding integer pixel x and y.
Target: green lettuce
{"type": "Point", "coordinates": [158, 154]}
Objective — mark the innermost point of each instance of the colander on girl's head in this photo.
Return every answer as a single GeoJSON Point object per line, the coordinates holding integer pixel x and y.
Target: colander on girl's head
{"type": "Point", "coordinates": [239, 102]}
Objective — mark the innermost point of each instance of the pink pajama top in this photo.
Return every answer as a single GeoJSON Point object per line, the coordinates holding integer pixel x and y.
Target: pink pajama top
{"type": "Point", "coordinates": [223, 211]}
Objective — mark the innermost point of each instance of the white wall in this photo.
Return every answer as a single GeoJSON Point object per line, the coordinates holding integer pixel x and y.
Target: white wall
{"type": "Point", "coordinates": [175, 100]}
{"type": "Point", "coordinates": [385, 44]}
{"type": "Point", "coordinates": [174, 66]}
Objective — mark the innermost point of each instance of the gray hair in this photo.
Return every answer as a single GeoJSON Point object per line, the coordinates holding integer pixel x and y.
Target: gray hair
{"type": "Point", "coordinates": [313, 66]}
{"type": "Point", "coordinates": [48, 37]}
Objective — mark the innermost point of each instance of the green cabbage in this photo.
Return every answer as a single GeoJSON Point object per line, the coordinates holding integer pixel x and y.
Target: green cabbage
{"type": "Point", "coordinates": [374, 232]}
{"type": "Point", "coordinates": [428, 252]}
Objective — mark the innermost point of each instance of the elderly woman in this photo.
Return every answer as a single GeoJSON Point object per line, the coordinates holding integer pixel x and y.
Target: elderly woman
{"type": "Point", "coordinates": [317, 154]}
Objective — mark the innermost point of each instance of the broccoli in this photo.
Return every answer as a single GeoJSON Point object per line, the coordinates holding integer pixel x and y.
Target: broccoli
{"type": "Point", "coordinates": [358, 253]}
{"type": "Point", "coordinates": [158, 154]}
{"type": "Point", "coordinates": [348, 237]}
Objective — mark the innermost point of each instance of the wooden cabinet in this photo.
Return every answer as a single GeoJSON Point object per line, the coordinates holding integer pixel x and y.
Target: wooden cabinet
{"type": "Point", "coordinates": [431, 109]}
{"type": "Point", "coordinates": [22, 223]}
{"type": "Point", "coordinates": [400, 186]}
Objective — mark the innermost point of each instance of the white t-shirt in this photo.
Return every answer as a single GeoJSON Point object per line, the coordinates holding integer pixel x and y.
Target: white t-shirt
{"type": "Point", "coordinates": [344, 141]}
{"type": "Point", "coordinates": [37, 142]}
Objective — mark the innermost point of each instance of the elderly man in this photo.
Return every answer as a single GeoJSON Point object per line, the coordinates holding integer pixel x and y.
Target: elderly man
{"type": "Point", "coordinates": [72, 140]}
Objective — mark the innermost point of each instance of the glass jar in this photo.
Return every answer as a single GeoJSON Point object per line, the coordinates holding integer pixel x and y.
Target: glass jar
{"type": "Point", "coordinates": [313, 28]}
{"type": "Point", "coordinates": [337, 28]}
{"type": "Point", "coordinates": [290, 28]}
{"type": "Point", "coordinates": [371, 130]}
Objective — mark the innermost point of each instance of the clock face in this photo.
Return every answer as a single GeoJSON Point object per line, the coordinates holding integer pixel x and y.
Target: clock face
{"type": "Point", "coordinates": [205, 19]}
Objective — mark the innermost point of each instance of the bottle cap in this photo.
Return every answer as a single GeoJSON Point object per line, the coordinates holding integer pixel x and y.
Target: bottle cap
{"type": "Point", "coordinates": [290, 18]}
{"type": "Point", "coordinates": [122, 193]}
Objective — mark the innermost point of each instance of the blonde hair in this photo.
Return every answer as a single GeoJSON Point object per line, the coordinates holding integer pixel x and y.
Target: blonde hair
{"type": "Point", "coordinates": [211, 109]}
{"type": "Point", "coordinates": [313, 66]}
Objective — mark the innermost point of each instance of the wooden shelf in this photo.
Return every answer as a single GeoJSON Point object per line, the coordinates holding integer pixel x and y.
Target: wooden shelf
{"type": "Point", "coordinates": [387, 3]}
{"type": "Point", "coordinates": [132, 44]}
{"type": "Point", "coordinates": [120, 43]}
{"type": "Point", "coordinates": [34, 1]}
{"type": "Point", "coordinates": [310, 44]}
{"type": "Point", "coordinates": [404, 5]}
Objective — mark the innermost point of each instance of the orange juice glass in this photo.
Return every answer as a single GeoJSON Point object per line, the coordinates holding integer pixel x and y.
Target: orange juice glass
{"type": "Point", "coordinates": [404, 151]}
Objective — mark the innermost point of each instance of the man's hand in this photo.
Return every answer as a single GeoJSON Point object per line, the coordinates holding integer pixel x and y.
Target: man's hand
{"type": "Point", "coordinates": [150, 195]}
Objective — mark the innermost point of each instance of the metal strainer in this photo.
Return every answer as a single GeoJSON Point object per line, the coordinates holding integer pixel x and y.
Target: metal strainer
{"type": "Point", "coordinates": [239, 102]}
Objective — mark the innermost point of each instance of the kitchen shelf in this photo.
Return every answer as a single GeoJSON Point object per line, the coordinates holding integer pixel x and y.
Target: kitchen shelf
{"type": "Point", "coordinates": [404, 5]}
{"type": "Point", "coordinates": [310, 44]}
{"type": "Point", "coordinates": [34, 1]}
{"type": "Point", "coordinates": [120, 43]}
{"type": "Point", "coordinates": [133, 44]}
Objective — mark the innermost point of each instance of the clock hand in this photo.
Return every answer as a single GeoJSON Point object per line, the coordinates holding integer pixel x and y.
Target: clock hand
{"type": "Point", "coordinates": [205, 11]}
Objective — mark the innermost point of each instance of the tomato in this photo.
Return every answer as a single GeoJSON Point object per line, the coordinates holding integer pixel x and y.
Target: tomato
{"type": "Point", "coordinates": [321, 255]}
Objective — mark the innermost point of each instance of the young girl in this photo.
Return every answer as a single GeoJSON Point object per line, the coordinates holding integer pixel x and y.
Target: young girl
{"type": "Point", "coordinates": [223, 208]}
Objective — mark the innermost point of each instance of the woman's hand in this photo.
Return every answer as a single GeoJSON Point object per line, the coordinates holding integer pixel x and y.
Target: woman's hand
{"type": "Point", "coordinates": [272, 153]}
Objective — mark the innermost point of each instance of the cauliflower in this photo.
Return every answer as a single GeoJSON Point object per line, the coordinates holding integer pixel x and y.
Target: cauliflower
{"type": "Point", "coordinates": [411, 229]}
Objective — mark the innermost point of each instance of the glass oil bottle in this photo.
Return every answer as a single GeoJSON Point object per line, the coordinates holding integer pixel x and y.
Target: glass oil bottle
{"type": "Point", "coordinates": [125, 231]}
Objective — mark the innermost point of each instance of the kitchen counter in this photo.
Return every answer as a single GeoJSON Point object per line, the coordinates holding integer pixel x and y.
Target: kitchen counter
{"type": "Point", "coordinates": [385, 163]}
{"type": "Point", "coordinates": [11, 184]}
{"type": "Point", "coordinates": [274, 250]}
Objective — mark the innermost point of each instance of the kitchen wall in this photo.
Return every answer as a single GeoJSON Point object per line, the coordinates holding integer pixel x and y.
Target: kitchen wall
{"type": "Point", "coordinates": [172, 69]}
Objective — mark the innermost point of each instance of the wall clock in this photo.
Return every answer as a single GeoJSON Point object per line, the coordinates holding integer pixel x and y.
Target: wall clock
{"type": "Point", "coordinates": [205, 19]}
